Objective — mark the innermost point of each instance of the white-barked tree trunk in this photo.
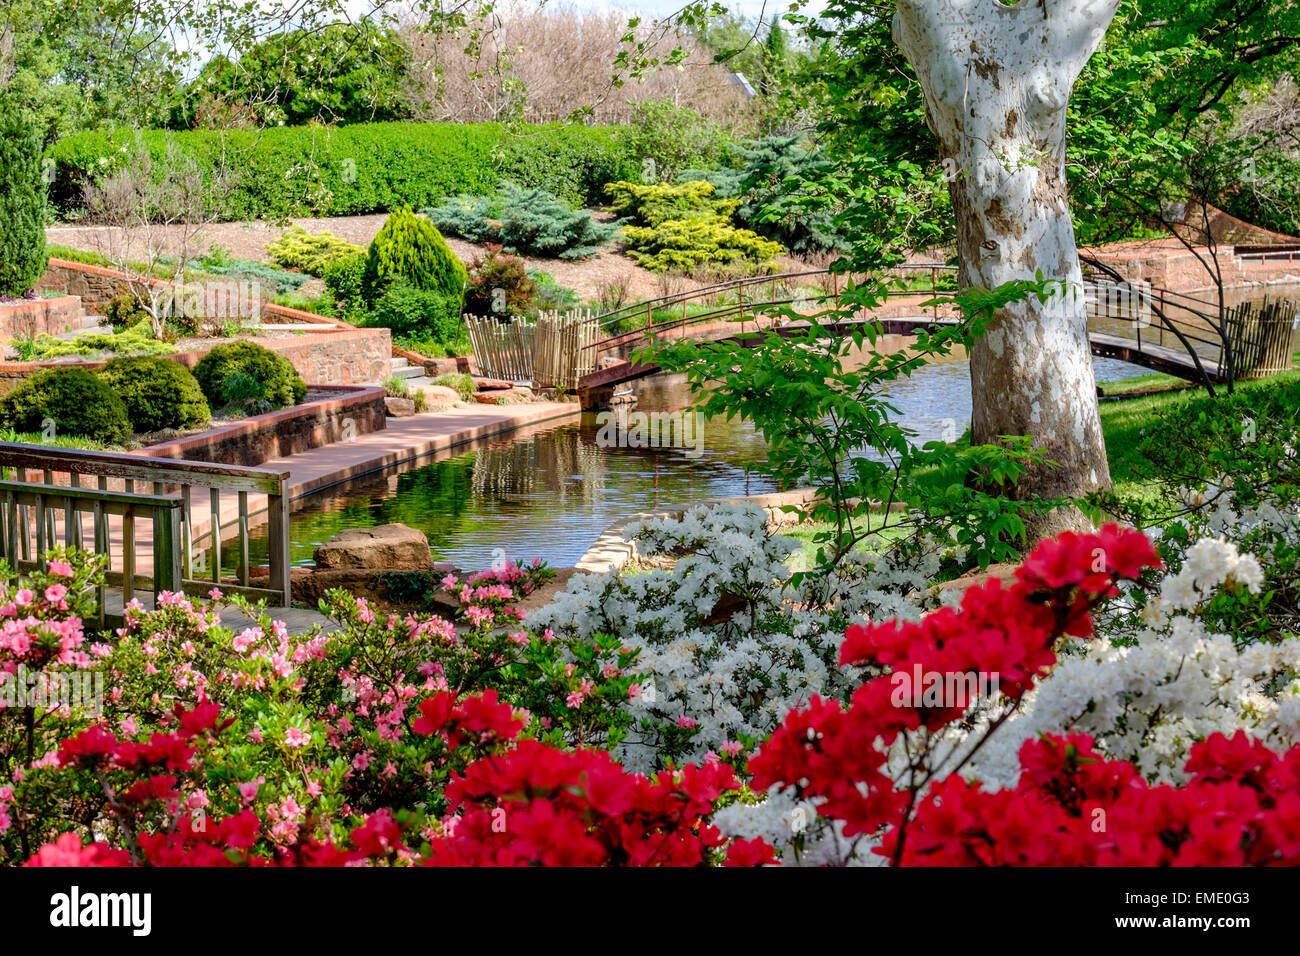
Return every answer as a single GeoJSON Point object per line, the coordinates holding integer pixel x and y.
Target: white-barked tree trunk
{"type": "Point", "coordinates": [996, 80]}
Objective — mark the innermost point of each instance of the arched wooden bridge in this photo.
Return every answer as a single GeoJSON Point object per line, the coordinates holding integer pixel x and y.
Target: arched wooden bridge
{"type": "Point", "coordinates": [1149, 327]}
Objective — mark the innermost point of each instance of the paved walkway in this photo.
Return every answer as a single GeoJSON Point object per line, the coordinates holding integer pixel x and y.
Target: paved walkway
{"type": "Point", "coordinates": [403, 440]}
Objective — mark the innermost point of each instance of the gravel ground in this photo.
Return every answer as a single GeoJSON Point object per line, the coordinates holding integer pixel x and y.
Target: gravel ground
{"type": "Point", "coordinates": [247, 240]}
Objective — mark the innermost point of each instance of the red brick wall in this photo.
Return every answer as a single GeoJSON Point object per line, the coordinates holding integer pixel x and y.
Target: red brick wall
{"type": "Point", "coordinates": [30, 318]}
{"type": "Point", "coordinates": [328, 352]}
{"type": "Point", "coordinates": [287, 431]}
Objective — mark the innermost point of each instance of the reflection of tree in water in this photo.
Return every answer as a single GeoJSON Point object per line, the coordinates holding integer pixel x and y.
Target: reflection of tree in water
{"type": "Point", "coordinates": [529, 468]}
{"type": "Point", "coordinates": [431, 498]}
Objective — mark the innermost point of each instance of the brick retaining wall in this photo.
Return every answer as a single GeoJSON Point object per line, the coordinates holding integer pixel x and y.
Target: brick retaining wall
{"type": "Point", "coordinates": [287, 431]}
{"type": "Point", "coordinates": [31, 317]}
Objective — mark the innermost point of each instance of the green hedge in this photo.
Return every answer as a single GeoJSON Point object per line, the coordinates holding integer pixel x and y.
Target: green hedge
{"type": "Point", "coordinates": [366, 167]}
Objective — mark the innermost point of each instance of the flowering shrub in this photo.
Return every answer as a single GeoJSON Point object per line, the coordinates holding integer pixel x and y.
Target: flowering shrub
{"type": "Point", "coordinates": [522, 805]}
{"type": "Point", "coordinates": [881, 776]}
{"type": "Point", "coordinates": [723, 649]}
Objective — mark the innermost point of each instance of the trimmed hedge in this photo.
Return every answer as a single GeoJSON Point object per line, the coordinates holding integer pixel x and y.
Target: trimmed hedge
{"type": "Point", "coordinates": [157, 392]}
{"type": "Point", "coordinates": [246, 374]}
{"type": "Point", "coordinates": [366, 167]}
{"type": "Point", "coordinates": [76, 400]}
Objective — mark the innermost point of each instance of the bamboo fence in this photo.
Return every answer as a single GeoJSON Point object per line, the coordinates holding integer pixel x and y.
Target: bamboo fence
{"type": "Point", "coordinates": [553, 352]}
{"type": "Point", "coordinates": [1261, 337]}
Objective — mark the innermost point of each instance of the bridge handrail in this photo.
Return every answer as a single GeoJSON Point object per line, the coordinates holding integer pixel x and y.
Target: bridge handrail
{"type": "Point", "coordinates": [169, 478]}
{"type": "Point", "coordinates": [637, 308]}
{"type": "Point", "coordinates": [1188, 318]}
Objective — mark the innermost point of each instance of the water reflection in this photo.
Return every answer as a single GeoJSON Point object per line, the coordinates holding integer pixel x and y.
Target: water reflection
{"type": "Point", "coordinates": [550, 491]}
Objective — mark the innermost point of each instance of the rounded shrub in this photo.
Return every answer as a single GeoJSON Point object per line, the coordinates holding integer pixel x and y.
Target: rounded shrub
{"type": "Point", "coordinates": [23, 255]}
{"type": "Point", "coordinates": [77, 401]}
{"type": "Point", "coordinates": [411, 247]}
{"type": "Point", "coordinates": [407, 310]}
{"type": "Point", "coordinates": [499, 285]}
{"type": "Point", "coordinates": [244, 373]}
{"type": "Point", "coordinates": [157, 392]}
{"type": "Point", "coordinates": [124, 311]}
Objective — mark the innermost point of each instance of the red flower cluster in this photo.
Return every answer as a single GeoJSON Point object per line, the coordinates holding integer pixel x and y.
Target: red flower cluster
{"type": "Point", "coordinates": [479, 719]}
{"type": "Point", "coordinates": [1073, 807]}
{"type": "Point", "coordinates": [538, 805]}
{"type": "Point", "coordinates": [838, 755]}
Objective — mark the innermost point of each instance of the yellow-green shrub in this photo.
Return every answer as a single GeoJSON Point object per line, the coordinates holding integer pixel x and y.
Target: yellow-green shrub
{"type": "Point", "coordinates": [681, 227]}
{"type": "Point", "coordinates": [313, 254]}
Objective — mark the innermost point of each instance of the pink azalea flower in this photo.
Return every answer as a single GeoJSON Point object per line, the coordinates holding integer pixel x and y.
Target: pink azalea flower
{"type": "Point", "coordinates": [296, 738]}
{"type": "Point", "coordinates": [61, 569]}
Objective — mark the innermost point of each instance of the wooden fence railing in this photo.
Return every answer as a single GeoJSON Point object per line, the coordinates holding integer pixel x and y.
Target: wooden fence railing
{"type": "Point", "coordinates": [192, 507]}
{"type": "Point", "coordinates": [502, 349]}
{"type": "Point", "coordinates": [1261, 335]}
{"type": "Point", "coordinates": [561, 354]}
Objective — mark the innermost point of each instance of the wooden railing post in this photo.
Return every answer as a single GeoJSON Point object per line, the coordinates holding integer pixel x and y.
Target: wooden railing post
{"type": "Point", "coordinates": [166, 549]}
{"type": "Point", "coordinates": [277, 538]}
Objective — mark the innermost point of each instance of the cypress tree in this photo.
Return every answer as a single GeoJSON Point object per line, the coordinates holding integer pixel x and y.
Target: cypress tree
{"type": "Point", "coordinates": [22, 208]}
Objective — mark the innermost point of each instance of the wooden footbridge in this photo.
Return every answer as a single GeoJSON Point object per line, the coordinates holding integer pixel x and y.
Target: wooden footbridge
{"type": "Point", "coordinates": [1149, 327]}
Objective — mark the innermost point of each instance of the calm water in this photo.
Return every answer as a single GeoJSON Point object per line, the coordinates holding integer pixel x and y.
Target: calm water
{"type": "Point", "coordinates": [550, 491]}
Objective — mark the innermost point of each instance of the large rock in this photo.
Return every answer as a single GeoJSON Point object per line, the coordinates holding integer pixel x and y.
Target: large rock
{"type": "Point", "coordinates": [440, 397]}
{"type": "Point", "coordinates": [389, 547]}
{"type": "Point", "coordinates": [399, 407]}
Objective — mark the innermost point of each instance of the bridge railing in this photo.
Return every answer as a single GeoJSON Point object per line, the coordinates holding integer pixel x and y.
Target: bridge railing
{"type": "Point", "coordinates": [746, 299]}
{"type": "Point", "coordinates": [99, 501]}
{"type": "Point", "coordinates": [1179, 329]}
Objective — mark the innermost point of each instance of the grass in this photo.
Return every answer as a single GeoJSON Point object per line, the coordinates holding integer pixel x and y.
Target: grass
{"type": "Point", "coordinates": [55, 441]}
{"type": "Point", "coordinates": [1124, 424]}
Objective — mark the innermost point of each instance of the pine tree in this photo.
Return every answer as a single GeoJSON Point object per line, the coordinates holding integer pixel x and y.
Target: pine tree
{"type": "Point", "coordinates": [23, 257]}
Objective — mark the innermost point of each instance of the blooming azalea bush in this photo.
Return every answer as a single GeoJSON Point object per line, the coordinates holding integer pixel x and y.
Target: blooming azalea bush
{"type": "Point", "coordinates": [487, 739]}
{"type": "Point", "coordinates": [881, 778]}
{"type": "Point", "coordinates": [528, 803]}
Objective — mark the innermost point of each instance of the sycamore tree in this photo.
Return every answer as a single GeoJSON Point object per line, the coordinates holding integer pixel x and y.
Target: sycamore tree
{"type": "Point", "coordinates": [997, 80]}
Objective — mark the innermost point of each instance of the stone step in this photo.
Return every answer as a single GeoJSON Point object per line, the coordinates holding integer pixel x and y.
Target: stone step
{"type": "Point", "coordinates": [399, 361]}
{"type": "Point", "coordinates": [408, 372]}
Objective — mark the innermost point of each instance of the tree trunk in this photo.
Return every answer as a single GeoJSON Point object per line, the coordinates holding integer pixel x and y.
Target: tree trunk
{"type": "Point", "coordinates": [996, 80]}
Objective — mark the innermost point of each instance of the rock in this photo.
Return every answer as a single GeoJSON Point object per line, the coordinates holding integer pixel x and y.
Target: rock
{"type": "Point", "coordinates": [1006, 573]}
{"type": "Point", "coordinates": [399, 407]}
{"type": "Point", "coordinates": [390, 547]}
{"type": "Point", "coordinates": [440, 396]}
{"type": "Point", "coordinates": [491, 384]}
{"type": "Point", "coordinates": [309, 585]}
{"type": "Point", "coordinates": [515, 396]}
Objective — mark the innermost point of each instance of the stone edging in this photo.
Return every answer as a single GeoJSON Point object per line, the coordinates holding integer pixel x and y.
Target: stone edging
{"type": "Point", "coordinates": [611, 551]}
{"type": "Point", "coordinates": [270, 430]}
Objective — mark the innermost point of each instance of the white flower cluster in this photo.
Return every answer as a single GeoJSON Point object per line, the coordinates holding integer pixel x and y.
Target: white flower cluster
{"type": "Point", "coordinates": [793, 828]}
{"type": "Point", "coordinates": [1148, 688]}
{"type": "Point", "coordinates": [724, 648]}
{"type": "Point", "coordinates": [726, 643]}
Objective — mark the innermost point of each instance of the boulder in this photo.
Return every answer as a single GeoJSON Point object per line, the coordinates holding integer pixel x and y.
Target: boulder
{"type": "Point", "coordinates": [389, 547]}
{"type": "Point", "coordinates": [399, 407]}
{"type": "Point", "coordinates": [440, 397]}
{"type": "Point", "coordinates": [491, 384]}
{"type": "Point", "coordinates": [1006, 573]}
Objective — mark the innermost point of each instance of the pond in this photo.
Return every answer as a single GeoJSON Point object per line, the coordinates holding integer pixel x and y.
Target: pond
{"type": "Point", "coordinates": [550, 491]}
